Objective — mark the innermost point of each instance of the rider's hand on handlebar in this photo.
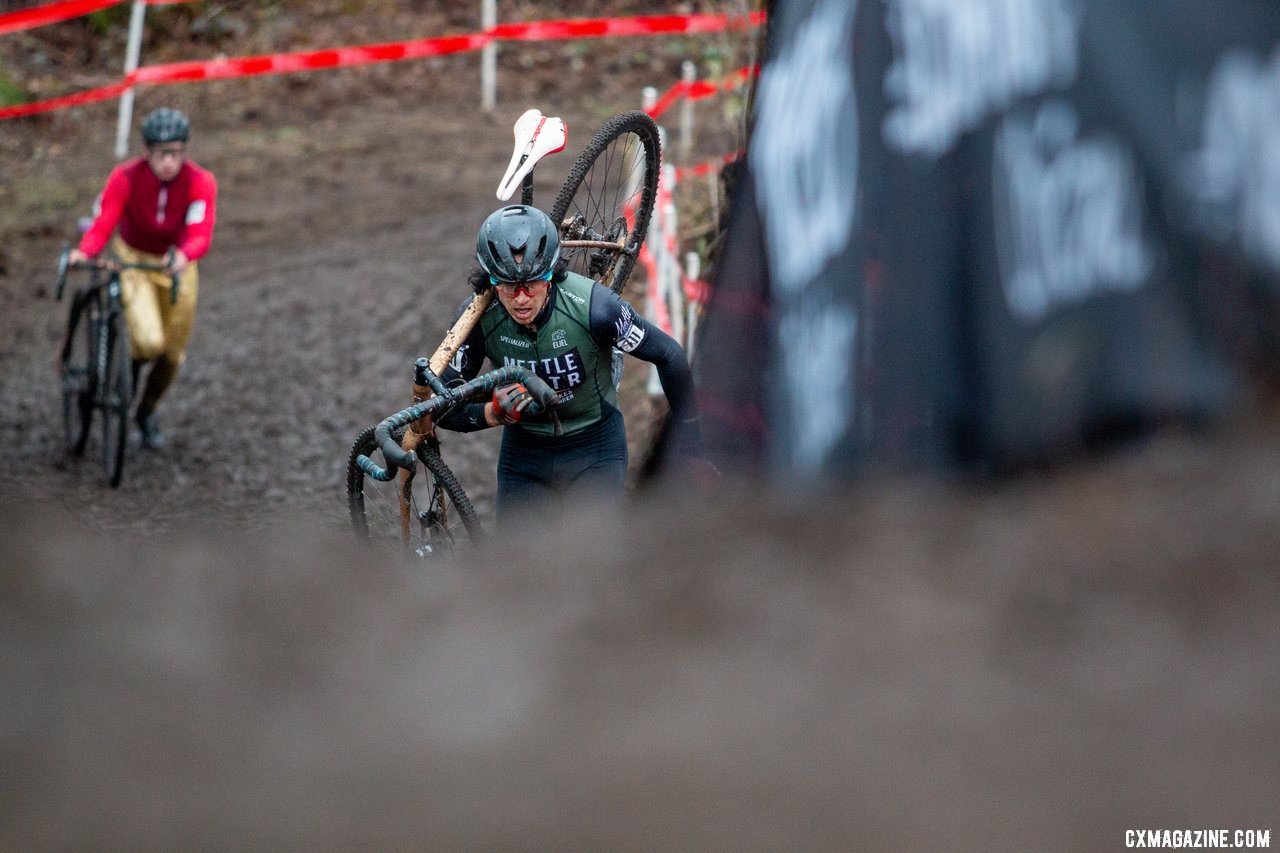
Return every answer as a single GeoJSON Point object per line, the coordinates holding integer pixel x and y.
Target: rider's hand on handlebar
{"type": "Point", "coordinates": [178, 261]}
{"type": "Point", "coordinates": [77, 258]}
{"type": "Point", "coordinates": [508, 403]}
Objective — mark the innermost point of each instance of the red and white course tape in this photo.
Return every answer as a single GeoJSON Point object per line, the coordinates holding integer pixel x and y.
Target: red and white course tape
{"type": "Point", "coordinates": [65, 10]}
{"type": "Point", "coordinates": [344, 57]}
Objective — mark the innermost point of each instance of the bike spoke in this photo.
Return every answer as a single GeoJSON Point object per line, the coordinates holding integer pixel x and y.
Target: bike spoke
{"type": "Point", "coordinates": [609, 196]}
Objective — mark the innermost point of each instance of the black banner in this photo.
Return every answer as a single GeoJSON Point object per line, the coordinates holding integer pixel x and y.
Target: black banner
{"type": "Point", "coordinates": [984, 233]}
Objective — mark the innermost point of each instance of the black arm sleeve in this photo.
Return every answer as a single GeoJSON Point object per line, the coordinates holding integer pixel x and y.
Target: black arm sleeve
{"type": "Point", "coordinates": [465, 366]}
{"type": "Point", "coordinates": [614, 323]}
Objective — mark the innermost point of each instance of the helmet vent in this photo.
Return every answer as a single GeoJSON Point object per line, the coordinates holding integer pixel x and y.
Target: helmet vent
{"type": "Point", "coordinates": [517, 242]}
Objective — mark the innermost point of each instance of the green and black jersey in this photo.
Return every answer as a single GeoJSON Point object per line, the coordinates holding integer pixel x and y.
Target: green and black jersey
{"type": "Point", "coordinates": [571, 348]}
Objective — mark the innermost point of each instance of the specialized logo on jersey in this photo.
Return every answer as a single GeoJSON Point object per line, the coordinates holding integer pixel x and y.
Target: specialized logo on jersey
{"type": "Point", "coordinates": [629, 335]}
{"type": "Point", "coordinates": [515, 342]}
{"type": "Point", "coordinates": [563, 372]}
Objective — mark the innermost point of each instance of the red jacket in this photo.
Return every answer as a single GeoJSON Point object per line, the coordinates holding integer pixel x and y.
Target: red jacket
{"type": "Point", "coordinates": [152, 215]}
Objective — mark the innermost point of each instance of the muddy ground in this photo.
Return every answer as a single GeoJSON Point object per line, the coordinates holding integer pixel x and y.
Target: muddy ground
{"type": "Point", "coordinates": [202, 659]}
{"type": "Point", "coordinates": [344, 237]}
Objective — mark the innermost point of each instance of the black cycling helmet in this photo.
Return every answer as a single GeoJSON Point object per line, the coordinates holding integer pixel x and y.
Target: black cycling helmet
{"type": "Point", "coordinates": [518, 243]}
{"type": "Point", "coordinates": [165, 125]}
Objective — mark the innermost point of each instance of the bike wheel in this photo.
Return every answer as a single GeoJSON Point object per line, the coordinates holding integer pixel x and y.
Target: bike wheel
{"type": "Point", "coordinates": [609, 196]}
{"type": "Point", "coordinates": [77, 376]}
{"type": "Point", "coordinates": [440, 517]}
{"type": "Point", "coordinates": [117, 393]}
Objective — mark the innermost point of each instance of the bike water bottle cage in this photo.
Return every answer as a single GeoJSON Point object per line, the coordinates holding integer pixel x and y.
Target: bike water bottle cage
{"type": "Point", "coordinates": [517, 243]}
{"type": "Point", "coordinates": [165, 125]}
{"type": "Point", "coordinates": [513, 288]}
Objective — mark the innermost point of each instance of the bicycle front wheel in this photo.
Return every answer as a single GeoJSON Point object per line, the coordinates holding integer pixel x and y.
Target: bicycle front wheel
{"type": "Point", "coordinates": [609, 197]}
{"type": "Point", "coordinates": [77, 375]}
{"type": "Point", "coordinates": [117, 393]}
{"type": "Point", "coordinates": [435, 516]}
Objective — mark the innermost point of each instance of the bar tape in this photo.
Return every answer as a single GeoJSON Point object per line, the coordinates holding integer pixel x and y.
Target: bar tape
{"type": "Point", "coordinates": [286, 63]}
{"type": "Point", "coordinates": [52, 13]}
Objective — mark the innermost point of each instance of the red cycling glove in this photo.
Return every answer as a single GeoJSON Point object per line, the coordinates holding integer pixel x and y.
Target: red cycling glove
{"type": "Point", "coordinates": [510, 401]}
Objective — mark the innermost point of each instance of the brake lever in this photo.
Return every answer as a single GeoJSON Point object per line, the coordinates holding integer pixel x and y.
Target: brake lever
{"type": "Point", "coordinates": [174, 279]}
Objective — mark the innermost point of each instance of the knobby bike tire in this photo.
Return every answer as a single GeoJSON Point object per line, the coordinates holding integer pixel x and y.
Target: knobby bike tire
{"type": "Point", "coordinates": [117, 393]}
{"type": "Point", "coordinates": [617, 168]}
{"type": "Point", "coordinates": [78, 376]}
{"type": "Point", "coordinates": [375, 507]}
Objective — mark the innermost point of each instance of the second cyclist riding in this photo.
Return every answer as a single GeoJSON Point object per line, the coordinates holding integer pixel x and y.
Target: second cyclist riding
{"type": "Point", "coordinates": [602, 213]}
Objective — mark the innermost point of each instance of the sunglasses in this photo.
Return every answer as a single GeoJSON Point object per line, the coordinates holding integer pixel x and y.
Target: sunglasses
{"type": "Point", "coordinates": [513, 288]}
{"type": "Point", "coordinates": [177, 152]}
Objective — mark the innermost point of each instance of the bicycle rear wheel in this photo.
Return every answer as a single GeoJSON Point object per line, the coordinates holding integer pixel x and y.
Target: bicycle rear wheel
{"type": "Point", "coordinates": [117, 393]}
{"type": "Point", "coordinates": [77, 376]}
{"type": "Point", "coordinates": [609, 196]}
{"type": "Point", "coordinates": [440, 517]}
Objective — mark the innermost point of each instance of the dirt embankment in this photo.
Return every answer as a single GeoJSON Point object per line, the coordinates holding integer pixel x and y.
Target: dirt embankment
{"type": "Point", "coordinates": [911, 667]}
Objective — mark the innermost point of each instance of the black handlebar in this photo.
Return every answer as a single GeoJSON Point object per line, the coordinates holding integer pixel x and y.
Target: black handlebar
{"type": "Point", "coordinates": [544, 400]}
{"type": "Point", "coordinates": [65, 266]}
{"type": "Point", "coordinates": [422, 375]}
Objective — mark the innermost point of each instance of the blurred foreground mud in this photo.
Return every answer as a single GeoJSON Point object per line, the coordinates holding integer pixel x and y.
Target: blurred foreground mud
{"type": "Point", "coordinates": [914, 666]}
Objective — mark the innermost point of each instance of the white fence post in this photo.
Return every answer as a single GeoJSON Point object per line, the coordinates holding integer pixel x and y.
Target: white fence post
{"type": "Point", "coordinates": [655, 242]}
{"type": "Point", "coordinates": [648, 97]}
{"type": "Point", "coordinates": [133, 50]}
{"type": "Point", "coordinates": [488, 57]}
{"type": "Point", "coordinates": [692, 269]}
{"type": "Point", "coordinates": [669, 263]}
{"type": "Point", "coordinates": [688, 73]}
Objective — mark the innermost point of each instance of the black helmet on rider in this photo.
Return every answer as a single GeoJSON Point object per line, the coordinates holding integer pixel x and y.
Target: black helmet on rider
{"type": "Point", "coordinates": [518, 243]}
{"type": "Point", "coordinates": [165, 125]}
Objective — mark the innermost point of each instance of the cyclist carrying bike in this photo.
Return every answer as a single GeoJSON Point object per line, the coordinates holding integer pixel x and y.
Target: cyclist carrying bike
{"type": "Point", "coordinates": [564, 327]}
{"type": "Point", "coordinates": [165, 207]}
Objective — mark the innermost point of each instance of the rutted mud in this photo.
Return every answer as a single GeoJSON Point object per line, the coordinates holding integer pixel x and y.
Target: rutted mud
{"type": "Point", "coordinates": [203, 655]}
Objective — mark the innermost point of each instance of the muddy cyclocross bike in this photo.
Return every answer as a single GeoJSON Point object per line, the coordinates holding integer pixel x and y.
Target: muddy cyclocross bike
{"type": "Point", "coordinates": [95, 365]}
{"type": "Point", "coordinates": [603, 211]}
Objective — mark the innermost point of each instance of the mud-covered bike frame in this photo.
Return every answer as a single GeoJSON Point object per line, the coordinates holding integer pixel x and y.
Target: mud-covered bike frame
{"type": "Point", "coordinates": [94, 360]}
{"type": "Point", "coordinates": [603, 211]}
